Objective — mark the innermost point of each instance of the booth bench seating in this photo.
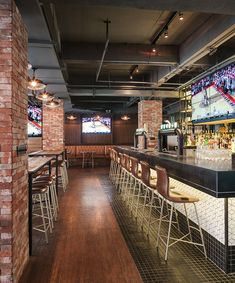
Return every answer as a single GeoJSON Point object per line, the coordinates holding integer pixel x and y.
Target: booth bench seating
{"type": "Point", "coordinates": [101, 153]}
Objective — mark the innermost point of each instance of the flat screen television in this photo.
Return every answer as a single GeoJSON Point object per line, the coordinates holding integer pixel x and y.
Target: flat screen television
{"type": "Point", "coordinates": [34, 119]}
{"type": "Point", "coordinates": [213, 97]}
{"type": "Point", "coordinates": [96, 125]}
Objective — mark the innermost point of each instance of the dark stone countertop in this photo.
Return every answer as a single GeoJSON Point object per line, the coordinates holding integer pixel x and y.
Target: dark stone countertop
{"type": "Point", "coordinates": [214, 178]}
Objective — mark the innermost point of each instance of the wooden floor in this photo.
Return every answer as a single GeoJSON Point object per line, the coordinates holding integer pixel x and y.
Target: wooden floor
{"type": "Point", "coordinates": [87, 244]}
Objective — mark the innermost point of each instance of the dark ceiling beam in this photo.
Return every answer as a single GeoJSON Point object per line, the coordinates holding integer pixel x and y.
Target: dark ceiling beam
{"type": "Point", "coordinates": [205, 6]}
{"type": "Point", "coordinates": [124, 92]}
{"type": "Point", "coordinates": [40, 43]}
{"type": "Point", "coordinates": [101, 99]}
{"type": "Point", "coordinates": [133, 54]}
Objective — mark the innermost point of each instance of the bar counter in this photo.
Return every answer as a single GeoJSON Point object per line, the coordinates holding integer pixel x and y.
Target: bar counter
{"type": "Point", "coordinates": [214, 184]}
{"type": "Point", "coordinates": [214, 178]}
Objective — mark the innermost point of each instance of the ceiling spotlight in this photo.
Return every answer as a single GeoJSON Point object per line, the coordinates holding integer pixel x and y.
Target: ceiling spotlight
{"type": "Point", "coordinates": [35, 84]}
{"type": "Point", "coordinates": [166, 33]}
{"type": "Point", "coordinates": [71, 117]}
{"type": "Point", "coordinates": [53, 103]}
{"type": "Point", "coordinates": [45, 96]}
{"type": "Point", "coordinates": [125, 117]}
{"type": "Point", "coordinates": [181, 16]}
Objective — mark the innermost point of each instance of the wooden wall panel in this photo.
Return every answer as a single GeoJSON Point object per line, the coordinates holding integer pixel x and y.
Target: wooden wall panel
{"type": "Point", "coordinates": [72, 133]}
{"type": "Point", "coordinates": [122, 133]}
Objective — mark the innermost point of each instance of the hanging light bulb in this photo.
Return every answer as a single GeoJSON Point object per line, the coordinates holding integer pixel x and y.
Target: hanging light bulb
{"type": "Point", "coordinates": [53, 103]}
{"type": "Point", "coordinates": [131, 77]}
{"type": "Point", "coordinates": [181, 16]}
{"type": "Point", "coordinates": [45, 96]}
{"type": "Point", "coordinates": [154, 50]}
{"type": "Point", "coordinates": [71, 117]}
{"type": "Point", "coordinates": [125, 117]}
{"type": "Point", "coordinates": [35, 84]}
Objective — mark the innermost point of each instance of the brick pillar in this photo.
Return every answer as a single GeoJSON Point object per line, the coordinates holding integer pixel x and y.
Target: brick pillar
{"type": "Point", "coordinates": [13, 132]}
{"type": "Point", "coordinates": [53, 128]}
{"type": "Point", "coordinates": [150, 116]}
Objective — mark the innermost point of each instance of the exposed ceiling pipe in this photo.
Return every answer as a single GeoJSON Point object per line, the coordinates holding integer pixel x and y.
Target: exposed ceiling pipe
{"type": "Point", "coordinates": [74, 87]}
{"type": "Point", "coordinates": [128, 82]}
{"type": "Point", "coordinates": [107, 22]}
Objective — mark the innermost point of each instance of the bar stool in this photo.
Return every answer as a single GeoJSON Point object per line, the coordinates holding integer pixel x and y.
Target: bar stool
{"type": "Point", "coordinates": [117, 168]}
{"type": "Point", "coordinates": [122, 175]}
{"type": "Point", "coordinates": [148, 188]}
{"type": "Point", "coordinates": [112, 164]}
{"type": "Point", "coordinates": [51, 182]}
{"type": "Point", "coordinates": [87, 158]}
{"type": "Point", "coordinates": [173, 197]}
{"type": "Point", "coordinates": [135, 181]}
{"type": "Point", "coordinates": [126, 175]}
{"type": "Point", "coordinates": [40, 195]}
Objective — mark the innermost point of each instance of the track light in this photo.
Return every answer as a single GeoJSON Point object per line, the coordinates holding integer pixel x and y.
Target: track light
{"type": "Point", "coordinates": [166, 33]}
{"type": "Point", "coordinates": [181, 16]}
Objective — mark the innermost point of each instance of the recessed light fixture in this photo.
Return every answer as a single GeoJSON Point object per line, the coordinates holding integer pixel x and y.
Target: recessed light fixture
{"type": "Point", "coordinates": [181, 16]}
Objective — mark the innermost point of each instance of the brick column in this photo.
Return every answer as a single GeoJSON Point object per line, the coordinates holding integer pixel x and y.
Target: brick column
{"type": "Point", "coordinates": [13, 132]}
{"type": "Point", "coordinates": [150, 116]}
{"type": "Point", "coordinates": [53, 128]}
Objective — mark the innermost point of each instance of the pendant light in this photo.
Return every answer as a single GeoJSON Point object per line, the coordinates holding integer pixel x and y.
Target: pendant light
{"type": "Point", "coordinates": [71, 117]}
{"type": "Point", "coordinates": [125, 117]}
{"type": "Point", "coordinates": [45, 96]}
{"type": "Point", "coordinates": [34, 83]}
{"type": "Point", "coordinates": [54, 103]}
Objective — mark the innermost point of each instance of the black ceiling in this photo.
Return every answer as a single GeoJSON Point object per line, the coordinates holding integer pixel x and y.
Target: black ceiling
{"type": "Point", "coordinates": [67, 41]}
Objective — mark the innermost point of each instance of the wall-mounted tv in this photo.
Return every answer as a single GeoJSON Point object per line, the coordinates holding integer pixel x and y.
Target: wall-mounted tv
{"type": "Point", "coordinates": [213, 97]}
{"type": "Point", "coordinates": [34, 119]}
{"type": "Point", "coordinates": [96, 125]}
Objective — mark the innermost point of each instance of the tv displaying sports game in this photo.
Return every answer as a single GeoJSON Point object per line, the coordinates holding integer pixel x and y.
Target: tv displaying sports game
{"type": "Point", "coordinates": [213, 97]}
{"type": "Point", "coordinates": [34, 119]}
{"type": "Point", "coordinates": [96, 125]}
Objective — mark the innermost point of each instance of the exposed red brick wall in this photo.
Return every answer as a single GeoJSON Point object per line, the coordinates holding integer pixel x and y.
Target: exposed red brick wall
{"type": "Point", "coordinates": [150, 114]}
{"type": "Point", "coordinates": [53, 128]}
{"type": "Point", "coordinates": [13, 132]}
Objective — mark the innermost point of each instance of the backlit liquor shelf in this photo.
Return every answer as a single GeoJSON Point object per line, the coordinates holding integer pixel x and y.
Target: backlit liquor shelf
{"type": "Point", "coordinates": [214, 184]}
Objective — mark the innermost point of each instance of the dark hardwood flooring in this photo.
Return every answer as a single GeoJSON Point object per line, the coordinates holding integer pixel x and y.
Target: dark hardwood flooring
{"type": "Point", "coordinates": [87, 244]}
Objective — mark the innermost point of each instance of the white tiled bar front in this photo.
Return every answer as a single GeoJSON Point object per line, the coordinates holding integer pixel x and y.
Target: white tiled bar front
{"type": "Point", "coordinates": [216, 212]}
